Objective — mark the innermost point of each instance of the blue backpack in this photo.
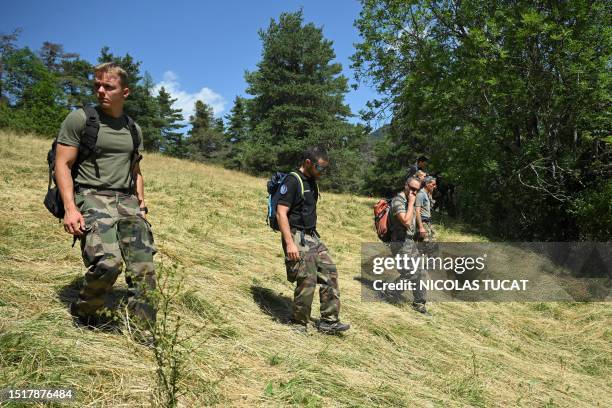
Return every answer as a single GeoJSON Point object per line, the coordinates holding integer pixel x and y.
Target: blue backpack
{"type": "Point", "coordinates": [274, 184]}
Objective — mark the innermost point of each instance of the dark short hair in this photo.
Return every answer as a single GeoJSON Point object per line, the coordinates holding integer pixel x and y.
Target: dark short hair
{"type": "Point", "coordinates": [412, 178]}
{"type": "Point", "coordinates": [315, 153]}
{"type": "Point", "coordinates": [422, 158]}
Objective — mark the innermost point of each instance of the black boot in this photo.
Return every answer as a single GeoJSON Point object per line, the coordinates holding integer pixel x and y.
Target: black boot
{"type": "Point", "coordinates": [333, 327]}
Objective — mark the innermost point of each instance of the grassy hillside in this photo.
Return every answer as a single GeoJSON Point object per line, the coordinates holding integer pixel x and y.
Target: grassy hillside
{"type": "Point", "coordinates": [210, 222]}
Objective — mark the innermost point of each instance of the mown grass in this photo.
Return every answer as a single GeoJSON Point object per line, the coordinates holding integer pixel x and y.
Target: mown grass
{"type": "Point", "coordinates": [210, 222]}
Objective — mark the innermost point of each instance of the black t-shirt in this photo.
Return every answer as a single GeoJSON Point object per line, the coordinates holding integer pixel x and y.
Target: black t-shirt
{"type": "Point", "coordinates": [302, 211]}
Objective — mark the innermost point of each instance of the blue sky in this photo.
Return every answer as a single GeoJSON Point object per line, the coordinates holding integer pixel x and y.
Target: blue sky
{"type": "Point", "coordinates": [197, 49]}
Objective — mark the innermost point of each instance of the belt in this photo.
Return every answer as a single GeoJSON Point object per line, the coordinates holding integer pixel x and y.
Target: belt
{"type": "Point", "coordinates": [82, 187]}
{"type": "Point", "coordinates": [307, 231]}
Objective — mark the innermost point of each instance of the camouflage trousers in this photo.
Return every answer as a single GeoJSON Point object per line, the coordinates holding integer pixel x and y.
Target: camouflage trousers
{"type": "Point", "coordinates": [115, 231]}
{"type": "Point", "coordinates": [428, 243]}
{"type": "Point", "coordinates": [315, 266]}
{"type": "Point", "coordinates": [431, 233]}
{"type": "Point", "coordinates": [409, 247]}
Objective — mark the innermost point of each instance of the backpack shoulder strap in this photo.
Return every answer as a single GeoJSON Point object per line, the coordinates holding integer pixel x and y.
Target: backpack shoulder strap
{"type": "Point", "coordinates": [297, 176]}
{"type": "Point", "coordinates": [136, 157]}
{"type": "Point", "coordinates": [134, 132]}
{"type": "Point", "coordinates": [89, 138]}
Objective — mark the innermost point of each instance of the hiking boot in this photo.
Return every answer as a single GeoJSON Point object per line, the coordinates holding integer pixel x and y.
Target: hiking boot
{"type": "Point", "coordinates": [332, 327]}
{"type": "Point", "coordinates": [88, 321]}
{"type": "Point", "coordinates": [93, 322]}
{"type": "Point", "coordinates": [392, 296]}
{"type": "Point", "coordinates": [420, 307]}
{"type": "Point", "coordinates": [298, 327]}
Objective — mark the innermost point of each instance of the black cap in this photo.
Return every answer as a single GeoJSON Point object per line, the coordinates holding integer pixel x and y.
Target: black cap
{"type": "Point", "coordinates": [422, 158]}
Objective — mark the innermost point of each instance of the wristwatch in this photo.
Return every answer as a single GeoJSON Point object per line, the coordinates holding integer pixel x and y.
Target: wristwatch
{"type": "Point", "coordinates": [144, 209]}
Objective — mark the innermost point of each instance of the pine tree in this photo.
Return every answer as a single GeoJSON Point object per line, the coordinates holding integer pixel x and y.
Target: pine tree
{"type": "Point", "coordinates": [170, 118]}
{"type": "Point", "coordinates": [237, 121]}
{"type": "Point", "coordinates": [76, 81]}
{"type": "Point", "coordinates": [219, 125]}
{"type": "Point", "coordinates": [298, 95]}
{"type": "Point", "coordinates": [204, 139]}
{"type": "Point", "coordinates": [73, 73]}
{"type": "Point", "coordinates": [7, 47]}
{"type": "Point", "coordinates": [202, 119]}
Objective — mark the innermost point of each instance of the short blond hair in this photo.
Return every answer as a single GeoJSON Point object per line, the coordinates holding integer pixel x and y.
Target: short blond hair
{"type": "Point", "coordinates": [112, 68]}
{"type": "Point", "coordinates": [420, 173]}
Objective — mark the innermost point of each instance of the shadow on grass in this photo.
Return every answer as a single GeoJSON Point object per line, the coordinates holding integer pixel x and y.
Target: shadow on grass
{"type": "Point", "coordinates": [391, 297]}
{"type": "Point", "coordinates": [70, 293]}
{"type": "Point", "coordinates": [273, 304]}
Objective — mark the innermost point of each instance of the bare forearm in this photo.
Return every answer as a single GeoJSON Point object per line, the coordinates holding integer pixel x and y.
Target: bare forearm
{"type": "Point", "coordinates": [63, 178]}
{"type": "Point", "coordinates": [140, 189]}
{"type": "Point", "coordinates": [283, 224]}
{"type": "Point", "coordinates": [419, 221]}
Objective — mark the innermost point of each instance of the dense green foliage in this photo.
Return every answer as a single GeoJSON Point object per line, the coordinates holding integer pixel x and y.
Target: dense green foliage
{"type": "Point", "coordinates": [31, 97]}
{"type": "Point", "coordinates": [298, 101]}
{"type": "Point", "coordinates": [511, 101]}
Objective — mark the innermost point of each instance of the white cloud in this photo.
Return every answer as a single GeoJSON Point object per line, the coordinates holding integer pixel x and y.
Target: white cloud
{"type": "Point", "coordinates": [186, 100]}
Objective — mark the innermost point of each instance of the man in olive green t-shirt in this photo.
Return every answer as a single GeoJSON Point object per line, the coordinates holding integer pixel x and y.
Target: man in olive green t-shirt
{"type": "Point", "coordinates": [101, 207]}
{"type": "Point", "coordinates": [115, 144]}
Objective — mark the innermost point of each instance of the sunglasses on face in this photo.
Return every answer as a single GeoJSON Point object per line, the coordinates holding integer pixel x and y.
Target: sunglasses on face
{"type": "Point", "coordinates": [320, 169]}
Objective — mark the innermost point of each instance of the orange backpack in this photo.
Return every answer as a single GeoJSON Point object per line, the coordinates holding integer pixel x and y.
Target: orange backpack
{"type": "Point", "coordinates": [381, 219]}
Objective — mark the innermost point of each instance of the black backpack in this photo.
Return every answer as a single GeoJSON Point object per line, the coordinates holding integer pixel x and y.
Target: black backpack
{"type": "Point", "coordinates": [274, 184]}
{"type": "Point", "coordinates": [87, 149]}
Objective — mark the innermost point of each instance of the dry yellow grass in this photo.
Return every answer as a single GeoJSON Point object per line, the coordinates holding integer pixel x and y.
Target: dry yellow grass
{"type": "Point", "coordinates": [210, 222]}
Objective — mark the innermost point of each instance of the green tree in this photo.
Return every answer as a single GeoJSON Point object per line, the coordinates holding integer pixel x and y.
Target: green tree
{"type": "Point", "coordinates": [170, 118]}
{"type": "Point", "coordinates": [298, 95]}
{"type": "Point", "coordinates": [151, 122]}
{"type": "Point", "coordinates": [205, 141]}
{"type": "Point", "coordinates": [237, 119]}
{"type": "Point", "coordinates": [35, 98]}
{"type": "Point", "coordinates": [219, 126]}
{"type": "Point", "coordinates": [76, 81]}
{"type": "Point", "coordinates": [73, 73]}
{"type": "Point", "coordinates": [510, 99]}
{"type": "Point", "coordinates": [7, 47]}
{"type": "Point", "coordinates": [235, 136]}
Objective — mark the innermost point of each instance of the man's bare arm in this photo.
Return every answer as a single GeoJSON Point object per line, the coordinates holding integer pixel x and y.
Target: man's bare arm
{"type": "Point", "coordinates": [65, 158]}
{"type": "Point", "coordinates": [419, 222]}
{"type": "Point", "coordinates": [139, 187]}
{"type": "Point", "coordinates": [283, 224]}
